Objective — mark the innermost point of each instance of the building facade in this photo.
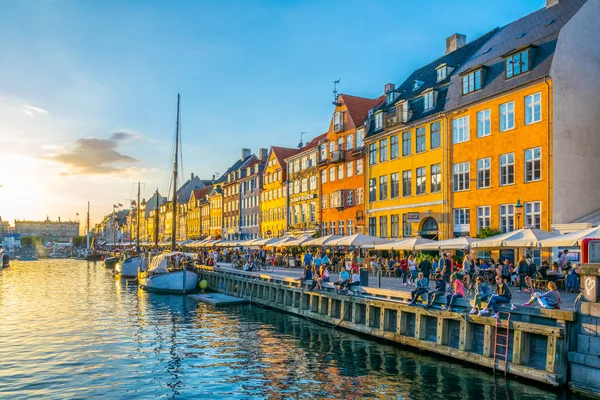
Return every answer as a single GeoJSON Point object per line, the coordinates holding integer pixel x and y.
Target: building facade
{"type": "Point", "coordinates": [304, 189]}
{"type": "Point", "coordinates": [215, 210]}
{"type": "Point", "coordinates": [57, 231]}
{"type": "Point", "coordinates": [341, 163]}
{"type": "Point", "coordinates": [274, 193]}
{"type": "Point", "coordinates": [250, 188]}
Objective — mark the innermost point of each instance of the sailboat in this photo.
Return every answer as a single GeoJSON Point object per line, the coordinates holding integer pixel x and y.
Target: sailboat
{"type": "Point", "coordinates": [168, 272]}
{"type": "Point", "coordinates": [128, 267]}
{"type": "Point", "coordinates": [90, 255]}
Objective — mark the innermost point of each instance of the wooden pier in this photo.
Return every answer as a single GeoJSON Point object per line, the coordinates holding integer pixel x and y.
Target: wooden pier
{"type": "Point", "coordinates": [538, 340]}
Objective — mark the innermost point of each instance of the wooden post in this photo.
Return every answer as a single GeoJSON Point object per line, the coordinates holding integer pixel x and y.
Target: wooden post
{"type": "Point", "coordinates": [368, 316]}
{"type": "Point", "coordinates": [420, 321]}
{"type": "Point", "coordinates": [354, 311]}
{"type": "Point", "coordinates": [520, 348]}
{"type": "Point", "coordinates": [488, 340]}
{"type": "Point", "coordinates": [466, 335]}
{"type": "Point", "coordinates": [551, 355]}
{"type": "Point", "coordinates": [382, 321]}
{"type": "Point", "coordinates": [402, 322]}
{"type": "Point", "coordinates": [442, 331]}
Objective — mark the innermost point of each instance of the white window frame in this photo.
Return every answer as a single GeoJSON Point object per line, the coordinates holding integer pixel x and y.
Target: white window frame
{"type": "Point", "coordinates": [350, 142]}
{"type": "Point", "coordinates": [360, 196]}
{"type": "Point", "coordinates": [340, 172]}
{"type": "Point", "coordinates": [531, 159]}
{"type": "Point", "coordinates": [421, 180]}
{"type": "Point", "coordinates": [484, 171]}
{"type": "Point", "coordinates": [533, 214]}
{"type": "Point", "coordinates": [484, 123]}
{"type": "Point", "coordinates": [349, 169]}
{"type": "Point", "coordinates": [324, 175]}
{"type": "Point", "coordinates": [359, 167]}
{"type": "Point", "coordinates": [533, 108]}
{"type": "Point", "coordinates": [507, 116]}
{"type": "Point", "coordinates": [507, 217]}
{"type": "Point", "coordinates": [460, 129]}
{"type": "Point", "coordinates": [461, 176]}
{"type": "Point", "coordinates": [428, 102]}
{"type": "Point", "coordinates": [505, 164]}
{"type": "Point", "coordinates": [483, 217]}
{"type": "Point", "coordinates": [379, 120]}
{"type": "Point", "coordinates": [332, 174]}
{"type": "Point", "coordinates": [338, 121]}
{"type": "Point", "coordinates": [360, 138]}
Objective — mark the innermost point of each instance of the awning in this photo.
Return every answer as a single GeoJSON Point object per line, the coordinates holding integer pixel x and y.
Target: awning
{"type": "Point", "coordinates": [515, 239]}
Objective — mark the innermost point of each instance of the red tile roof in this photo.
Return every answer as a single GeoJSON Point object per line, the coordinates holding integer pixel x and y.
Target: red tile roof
{"type": "Point", "coordinates": [282, 153]}
{"type": "Point", "coordinates": [200, 193]}
{"type": "Point", "coordinates": [358, 107]}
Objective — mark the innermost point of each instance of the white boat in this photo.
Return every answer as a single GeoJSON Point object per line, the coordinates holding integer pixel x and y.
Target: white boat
{"type": "Point", "coordinates": [128, 268]}
{"type": "Point", "coordinates": [163, 276]}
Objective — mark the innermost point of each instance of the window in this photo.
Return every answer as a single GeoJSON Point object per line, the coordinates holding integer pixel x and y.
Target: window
{"type": "Point", "coordinates": [434, 135]}
{"type": "Point", "coordinates": [349, 198]}
{"type": "Point", "coordinates": [406, 183]}
{"type": "Point", "coordinates": [517, 64]}
{"type": "Point", "coordinates": [394, 147]}
{"type": "Point", "coordinates": [507, 217]}
{"type": "Point", "coordinates": [332, 174]}
{"type": "Point", "coordinates": [304, 185]}
{"type": "Point", "coordinates": [533, 215]}
{"type": "Point", "coordinates": [483, 218]}
{"type": "Point", "coordinates": [394, 185]}
{"type": "Point", "coordinates": [331, 148]}
{"type": "Point", "coordinates": [323, 151]}
{"type": "Point", "coordinates": [383, 150]}
{"type": "Point", "coordinates": [341, 228]}
{"type": "Point", "coordinates": [428, 100]}
{"type": "Point", "coordinates": [533, 108]}
{"type": "Point", "coordinates": [312, 182]}
{"type": "Point", "coordinates": [324, 176]}
{"type": "Point", "coordinates": [483, 173]}
{"type": "Point", "coordinates": [383, 226]}
{"type": "Point", "coordinates": [462, 216]}
{"type": "Point", "coordinates": [395, 225]}
{"type": "Point", "coordinates": [372, 226]}
{"type": "Point", "coordinates": [372, 190]}
{"type": "Point", "coordinates": [533, 164]}
{"type": "Point", "coordinates": [507, 116]}
{"type": "Point", "coordinates": [461, 176]}
{"type": "Point", "coordinates": [323, 202]}
{"type": "Point", "coordinates": [360, 197]}
{"type": "Point", "coordinates": [340, 144]}
{"type": "Point", "coordinates": [460, 129]}
{"type": "Point", "coordinates": [383, 181]}
{"type": "Point", "coordinates": [349, 142]}
{"type": "Point", "coordinates": [378, 120]}
{"type": "Point", "coordinates": [313, 209]}
{"type": "Point", "coordinates": [359, 167]}
{"type": "Point", "coordinates": [406, 231]}
{"type": "Point", "coordinates": [350, 226]}
{"type": "Point", "coordinates": [406, 144]}
{"type": "Point", "coordinates": [436, 178]}
{"type": "Point", "coordinates": [471, 81]}
{"type": "Point", "coordinates": [332, 227]}
{"type": "Point", "coordinates": [296, 186]}
{"type": "Point", "coordinates": [420, 139]}
{"type": "Point", "coordinates": [483, 123]}
{"type": "Point", "coordinates": [372, 153]}
{"type": "Point", "coordinates": [421, 180]}
{"type": "Point", "coordinates": [338, 121]}
{"type": "Point", "coordinates": [340, 169]}
{"type": "Point", "coordinates": [360, 138]}
{"type": "Point", "coordinates": [507, 169]}
{"type": "Point", "coordinates": [350, 169]}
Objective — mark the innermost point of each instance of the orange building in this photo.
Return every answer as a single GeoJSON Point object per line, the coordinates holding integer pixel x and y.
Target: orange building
{"type": "Point", "coordinates": [342, 165]}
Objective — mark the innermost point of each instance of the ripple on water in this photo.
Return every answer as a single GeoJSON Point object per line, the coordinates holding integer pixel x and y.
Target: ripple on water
{"type": "Point", "coordinates": [70, 330]}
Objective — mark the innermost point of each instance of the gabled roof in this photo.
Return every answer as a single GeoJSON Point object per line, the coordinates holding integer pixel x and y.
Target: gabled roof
{"type": "Point", "coordinates": [540, 28]}
{"type": "Point", "coordinates": [358, 107]}
{"type": "Point", "coordinates": [310, 145]}
{"type": "Point", "coordinates": [281, 153]}
{"type": "Point", "coordinates": [200, 193]}
{"type": "Point", "coordinates": [236, 166]}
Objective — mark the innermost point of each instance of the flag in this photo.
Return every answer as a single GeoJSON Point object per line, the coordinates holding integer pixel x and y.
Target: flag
{"type": "Point", "coordinates": [77, 214]}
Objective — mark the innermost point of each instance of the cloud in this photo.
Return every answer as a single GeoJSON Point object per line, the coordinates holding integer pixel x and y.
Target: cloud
{"type": "Point", "coordinates": [97, 156]}
{"type": "Point", "coordinates": [33, 111]}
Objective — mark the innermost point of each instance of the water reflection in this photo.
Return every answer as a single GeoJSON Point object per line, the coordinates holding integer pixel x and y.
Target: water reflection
{"type": "Point", "coordinates": [70, 329]}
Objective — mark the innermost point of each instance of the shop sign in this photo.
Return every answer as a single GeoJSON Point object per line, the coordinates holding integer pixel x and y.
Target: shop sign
{"type": "Point", "coordinates": [413, 217]}
{"type": "Point", "coordinates": [303, 197]}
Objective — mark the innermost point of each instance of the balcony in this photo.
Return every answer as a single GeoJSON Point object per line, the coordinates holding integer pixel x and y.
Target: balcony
{"type": "Point", "coordinates": [337, 156]}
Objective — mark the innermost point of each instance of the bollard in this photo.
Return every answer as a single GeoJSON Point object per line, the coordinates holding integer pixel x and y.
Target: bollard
{"type": "Point", "coordinates": [378, 278]}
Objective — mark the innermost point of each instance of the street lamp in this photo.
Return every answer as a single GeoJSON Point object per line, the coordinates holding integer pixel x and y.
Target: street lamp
{"type": "Point", "coordinates": [519, 210]}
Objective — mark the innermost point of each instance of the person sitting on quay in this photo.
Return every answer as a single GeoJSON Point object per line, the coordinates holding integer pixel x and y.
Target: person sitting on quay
{"type": "Point", "coordinates": [374, 266]}
{"type": "Point", "coordinates": [458, 292]}
{"type": "Point", "coordinates": [504, 296]}
{"type": "Point", "coordinates": [573, 280]}
{"type": "Point", "coordinates": [326, 260]}
{"type": "Point", "coordinates": [306, 275]}
{"type": "Point", "coordinates": [315, 278]}
{"type": "Point", "coordinates": [323, 277]}
{"type": "Point", "coordinates": [482, 293]}
{"type": "Point", "coordinates": [440, 290]}
{"type": "Point", "coordinates": [343, 281]}
{"type": "Point", "coordinates": [355, 279]}
{"type": "Point", "coordinates": [550, 299]}
{"type": "Point", "coordinates": [422, 288]}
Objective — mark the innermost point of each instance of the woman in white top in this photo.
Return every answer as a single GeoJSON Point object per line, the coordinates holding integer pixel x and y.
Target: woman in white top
{"type": "Point", "coordinates": [412, 266]}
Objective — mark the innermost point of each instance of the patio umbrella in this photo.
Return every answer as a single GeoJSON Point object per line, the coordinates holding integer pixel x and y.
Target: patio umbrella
{"type": "Point", "coordinates": [460, 243]}
{"type": "Point", "coordinates": [406, 244]}
{"type": "Point", "coordinates": [283, 241]}
{"type": "Point", "coordinates": [357, 240]}
{"type": "Point", "coordinates": [525, 237]}
{"type": "Point", "coordinates": [571, 239]}
{"type": "Point", "coordinates": [321, 241]}
{"type": "Point", "coordinates": [264, 242]}
{"type": "Point", "coordinates": [299, 240]}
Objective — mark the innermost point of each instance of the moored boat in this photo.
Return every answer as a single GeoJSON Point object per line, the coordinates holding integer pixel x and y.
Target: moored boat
{"type": "Point", "coordinates": [28, 258]}
{"type": "Point", "coordinates": [110, 262]}
{"type": "Point", "coordinates": [128, 268]}
{"type": "Point", "coordinates": [166, 274]}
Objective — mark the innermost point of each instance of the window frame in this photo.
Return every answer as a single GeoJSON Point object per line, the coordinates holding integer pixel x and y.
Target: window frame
{"type": "Point", "coordinates": [461, 129]}
{"type": "Point", "coordinates": [383, 150]}
{"type": "Point", "coordinates": [531, 163]}
{"type": "Point", "coordinates": [394, 147]}
{"type": "Point", "coordinates": [484, 217]}
{"type": "Point", "coordinates": [505, 116]}
{"type": "Point", "coordinates": [509, 68]}
{"type": "Point", "coordinates": [423, 181]}
{"type": "Point", "coordinates": [507, 166]}
{"type": "Point", "coordinates": [407, 183]}
{"type": "Point", "coordinates": [533, 214]}
{"type": "Point", "coordinates": [484, 172]}
{"type": "Point", "coordinates": [461, 170]}
{"type": "Point", "coordinates": [472, 81]}
{"type": "Point", "coordinates": [383, 187]}
{"type": "Point", "coordinates": [530, 109]}
{"type": "Point", "coordinates": [506, 218]}
{"type": "Point", "coordinates": [438, 175]}
{"type": "Point", "coordinates": [420, 133]}
{"type": "Point", "coordinates": [484, 123]}
{"type": "Point", "coordinates": [406, 143]}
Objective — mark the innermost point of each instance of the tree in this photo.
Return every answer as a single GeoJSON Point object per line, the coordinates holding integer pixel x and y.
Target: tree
{"type": "Point", "coordinates": [487, 232]}
{"type": "Point", "coordinates": [30, 240]}
{"type": "Point", "coordinates": [78, 241]}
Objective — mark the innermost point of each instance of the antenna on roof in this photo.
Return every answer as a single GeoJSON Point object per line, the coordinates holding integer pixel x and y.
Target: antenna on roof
{"type": "Point", "coordinates": [335, 93]}
{"type": "Point", "coordinates": [301, 144]}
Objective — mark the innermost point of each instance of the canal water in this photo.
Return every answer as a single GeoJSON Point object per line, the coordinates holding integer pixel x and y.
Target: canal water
{"type": "Point", "coordinates": [69, 329]}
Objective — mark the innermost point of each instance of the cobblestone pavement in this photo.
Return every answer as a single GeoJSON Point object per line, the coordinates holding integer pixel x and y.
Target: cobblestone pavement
{"type": "Point", "coordinates": [568, 299]}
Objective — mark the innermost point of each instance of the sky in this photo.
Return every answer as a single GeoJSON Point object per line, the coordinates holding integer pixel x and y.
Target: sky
{"type": "Point", "coordinates": [88, 89]}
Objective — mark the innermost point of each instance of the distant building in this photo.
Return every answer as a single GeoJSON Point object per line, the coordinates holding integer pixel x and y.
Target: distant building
{"type": "Point", "coordinates": [57, 231]}
{"type": "Point", "coordinates": [4, 228]}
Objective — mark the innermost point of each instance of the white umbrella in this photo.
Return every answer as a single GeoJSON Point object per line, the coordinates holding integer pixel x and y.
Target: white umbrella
{"type": "Point", "coordinates": [299, 240]}
{"type": "Point", "coordinates": [520, 238]}
{"type": "Point", "coordinates": [321, 241]}
{"type": "Point", "coordinates": [264, 242]}
{"type": "Point", "coordinates": [571, 239]}
{"type": "Point", "coordinates": [459, 243]}
{"type": "Point", "coordinates": [282, 242]}
{"type": "Point", "coordinates": [357, 240]}
{"type": "Point", "coordinates": [406, 244]}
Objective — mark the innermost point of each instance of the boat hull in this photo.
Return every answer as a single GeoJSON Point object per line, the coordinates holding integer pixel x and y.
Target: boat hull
{"type": "Point", "coordinates": [129, 267]}
{"type": "Point", "coordinates": [171, 282]}
{"type": "Point", "coordinates": [94, 257]}
{"type": "Point", "coordinates": [111, 262]}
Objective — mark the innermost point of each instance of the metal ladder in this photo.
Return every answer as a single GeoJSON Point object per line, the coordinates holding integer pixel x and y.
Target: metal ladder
{"type": "Point", "coordinates": [501, 349]}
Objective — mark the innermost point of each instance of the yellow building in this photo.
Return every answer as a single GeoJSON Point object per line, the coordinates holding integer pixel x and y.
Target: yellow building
{"type": "Point", "coordinates": [215, 199]}
{"type": "Point", "coordinates": [274, 194]}
{"type": "Point", "coordinates": [205, 217]}
{"type": "Point", "coordinates": [405, 145]}
{"type": "Point", "coordinates": [194, 217]}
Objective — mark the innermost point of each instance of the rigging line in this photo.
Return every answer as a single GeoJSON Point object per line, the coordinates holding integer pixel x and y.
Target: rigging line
{"type": "Point", "coordinates": [182, 174]}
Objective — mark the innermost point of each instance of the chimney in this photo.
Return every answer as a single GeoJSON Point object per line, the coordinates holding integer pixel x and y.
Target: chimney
{"type": "Point", "coordinates": [389, 87]}
{"type": "Point", "coordinates": [213, 180]}
{"type": "Point", "coordinates": [550, 3]}
{"type": "Point", "coordinates": [245, 153]}
{"type": "Point", "coordinates": [192, 176]}
{"type": "Point", "coordinates": [263, 153]}
{"type": "Point", "coordinates": [455, 42]}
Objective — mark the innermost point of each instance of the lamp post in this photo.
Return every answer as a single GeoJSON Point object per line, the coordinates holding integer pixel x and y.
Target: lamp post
{"type": "Point", "coordinates": [519, 210]}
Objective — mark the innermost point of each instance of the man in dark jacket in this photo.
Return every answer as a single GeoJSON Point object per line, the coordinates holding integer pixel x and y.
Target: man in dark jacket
{"type": "Point", "coordinates": [425, 266]}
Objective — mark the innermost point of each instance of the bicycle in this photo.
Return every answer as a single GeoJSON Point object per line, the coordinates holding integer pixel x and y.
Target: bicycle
{"type": "Point", "coordinates": [267, 267]}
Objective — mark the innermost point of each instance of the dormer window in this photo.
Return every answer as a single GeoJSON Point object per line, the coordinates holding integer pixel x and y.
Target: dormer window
{"type": "Point", "coordinates": [471, 81]}
{"type": "Point", "coordinates": [428, 100]}
{"type": "Point", "coordinates": [390, 97]}
{"type": "Point", "coordinates": [441, 72]}
{"type": "Point", "coordinates": [379, 120]}
{"type": "Point", "coordinates": [338, 121]}
{"type": "Point", "coordinates": [517, 63]}
{"type": "Point", "coordinates": [417, 84]}
{"type": "Point", "coordinates": [403, 111]}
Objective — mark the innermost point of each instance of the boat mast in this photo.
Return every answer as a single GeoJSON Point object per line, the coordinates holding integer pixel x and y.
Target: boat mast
{"type": "Point", "coordinates": [174, 222]}
{"type": "Point", "coordinates": [87, 236]}
{"type": "Point", "coordinates": [114, 232]}
{"type": "Point", "coordinates": [137, 228]}
{"type": "Point", "coordinates": [156, 222]}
